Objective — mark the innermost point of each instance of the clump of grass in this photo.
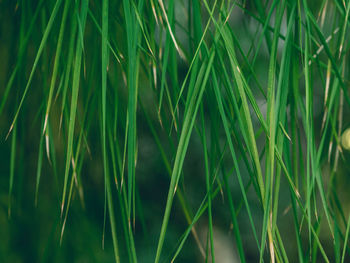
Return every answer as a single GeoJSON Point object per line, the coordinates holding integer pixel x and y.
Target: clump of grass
{"type": "Point", "coordinates": [171, 112]}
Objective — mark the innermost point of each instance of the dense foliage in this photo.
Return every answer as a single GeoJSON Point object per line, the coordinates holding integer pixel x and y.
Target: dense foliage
{"type": "Point", "coordinates": [162, 130]}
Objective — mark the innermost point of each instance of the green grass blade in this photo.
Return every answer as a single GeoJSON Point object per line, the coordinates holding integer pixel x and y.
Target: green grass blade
{"type": "Point", "coordinates": [74, 102]}
{"type": "Point", "coordinates": [189, 119]}
{"type": "Point", "coordinates": [39, 52]}
{"type": "Point", "coordinates": [346, 240]}
{"type": "Point", "coordinates": [12, 167]}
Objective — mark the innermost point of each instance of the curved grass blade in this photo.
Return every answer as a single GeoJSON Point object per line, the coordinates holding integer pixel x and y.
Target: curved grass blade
{"type": "Point", "coordinates": [37, 57]}
{"type": "Point", "coordinates": [23, 44]}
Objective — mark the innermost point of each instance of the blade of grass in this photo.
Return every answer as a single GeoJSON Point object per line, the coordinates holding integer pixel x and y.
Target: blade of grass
{"type": "Point", "coordinates": [188, 123]}
{"type": "Point", "coordinates": [39, 167]}
{"type": "Point", "coordinates": [346, 239]}
{"type": "Point", "coordinates": [104, 64]}
{"type": "Point", "coordinates": [37, 57]}
{"type": "Point", "coordinates": [56, 63]}
{"type": "Point", "coordinates": [207, 182]}
{"type": "Point", "coordinates": [74, 100]}
{"type": "Point", "coordinates": [12, 167]}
